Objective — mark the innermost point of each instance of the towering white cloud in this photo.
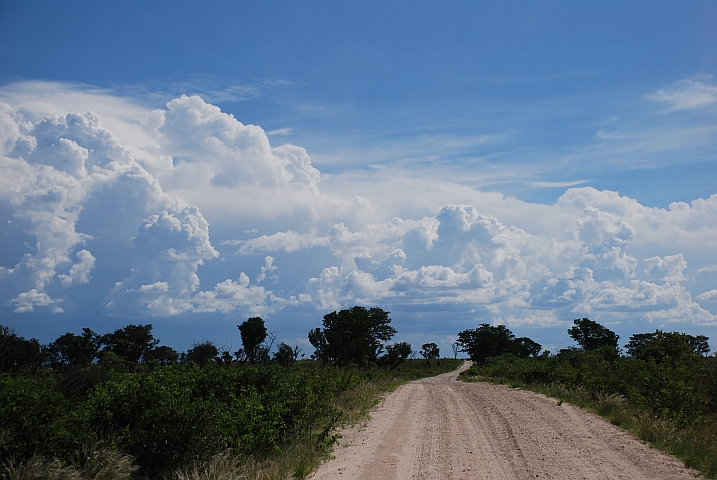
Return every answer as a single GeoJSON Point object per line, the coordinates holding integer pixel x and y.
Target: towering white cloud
{"type": "Point", "coordinates": [134, 217]}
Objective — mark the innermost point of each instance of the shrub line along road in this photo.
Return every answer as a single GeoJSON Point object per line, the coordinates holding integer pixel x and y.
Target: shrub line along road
{"type": "Point", "coordinates": [443, 428]}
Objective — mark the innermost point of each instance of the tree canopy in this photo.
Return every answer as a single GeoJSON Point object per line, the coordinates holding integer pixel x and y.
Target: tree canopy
{"type": "Point", "coordinates": [430, 351]}
{"type": "Point", "coordinates": [253, 333]}
{"type": "Point", "coordinates": [396, 354]}
{"type": "Point", "coordinates": [130, 343]}
{"type": "Point", "coordinates": [591, 335]}
{"type": "Point", "coordinates": [72, 350]}
{"type": "Point", "coordinates": [663, 346]}
{"type": "Point", "coordinates": [492, 341]}
{"type": "Point", "coordinates": [354, 336]}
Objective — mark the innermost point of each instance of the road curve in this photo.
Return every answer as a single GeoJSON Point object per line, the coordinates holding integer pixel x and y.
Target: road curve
{"type": "Point", "coordinates": [442, 428]}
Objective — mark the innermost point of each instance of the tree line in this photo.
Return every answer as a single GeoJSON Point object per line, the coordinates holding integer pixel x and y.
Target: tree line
{"type": "Point", "coordinates": [354, 336]}
{"type": "Point", "coordinates": [488, 341]}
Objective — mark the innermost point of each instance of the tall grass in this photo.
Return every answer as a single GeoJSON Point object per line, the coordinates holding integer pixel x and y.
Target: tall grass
{"type": "Point", "coordinates": [96, 463]}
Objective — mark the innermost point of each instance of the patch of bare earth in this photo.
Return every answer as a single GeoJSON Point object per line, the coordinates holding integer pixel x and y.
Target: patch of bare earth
{"type": "Point", "coordinates": [442, 428]}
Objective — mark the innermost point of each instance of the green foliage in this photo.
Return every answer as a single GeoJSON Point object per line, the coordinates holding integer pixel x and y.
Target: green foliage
{"type": "Point", "coordinates": [162, 355]}
{"type": "Point", "coordinates": [32, 416]}
{"type": "Point", "coordinates": [201, 353]}
{"type": "Point", "coordinates": [142, 409]}
{"type": "Point", "coordinates": [253, 333]}
{"type": "Point", "coordinates": [130, 343]}
{"type": "Point", "coordinates": [181, 412]}
{"type": "Point", "coordinates": [18, 354]}
{"type": "Point", "coordinates": [286, 355]}
{"type": "Point", "coordinates": [396, 354]}
{"type": "Point", "coordinates": [491, 341]}
{"type": "Point", "coordinates": [683, 392]}
{"type": "Point", "coordinates": [591, 335]}
{"type": "Point", "coordinates": [352, 336]}
{"type": "Point", "coordinates": [662, 346]}
{"type": "Point", "coordinates": [72, 350]}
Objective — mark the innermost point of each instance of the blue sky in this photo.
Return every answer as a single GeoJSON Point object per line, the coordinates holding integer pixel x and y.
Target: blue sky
{"type": "Point", "coordinates": [456, 163]}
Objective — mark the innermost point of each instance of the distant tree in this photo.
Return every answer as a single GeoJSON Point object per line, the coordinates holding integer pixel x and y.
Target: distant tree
{"type": "Point", "coordinates": [456, 348]}
{"type": "Point", "coordinates": [666, 347]}
{"type": "Point", "coordinates": [396, 354]}
{"type": "Point", "coordinates": [162, 355]}
{"type": "Point", "coordinates": [430, 351]}
{"type": "Point", "coordinates": [253, 333]}
{"type": "Point", "coordinates": [16, 353]}
{"type": "Point", "coordinates": [486, 341]}
{"type": "Point", "coordinates": [201, 353]}
{"type": "Point", "coordinates": [286, 355]}
{"type": "Point", "coordinates": [352, 336]}
{"type": "Point", "coordinates": [591, 335]}
{"type": "Point", "coordinates": [130, 343]}
{"type": "Point", "coordinates": [492, 341]}
{"type": "Point", "coordinates": [525, 347]}
{"type": "Point", "coordinates": [72, 350]}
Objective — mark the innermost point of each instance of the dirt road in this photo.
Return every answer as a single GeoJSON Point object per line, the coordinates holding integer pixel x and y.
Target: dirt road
{"type": "Point", "coordinates": [442, 428]}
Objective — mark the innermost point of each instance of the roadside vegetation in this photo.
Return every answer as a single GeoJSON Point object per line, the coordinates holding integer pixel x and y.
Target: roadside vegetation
{"type": "Point", "coordinates": [662, 388]}
{"type": "Point", "coordinates": [121, 406]}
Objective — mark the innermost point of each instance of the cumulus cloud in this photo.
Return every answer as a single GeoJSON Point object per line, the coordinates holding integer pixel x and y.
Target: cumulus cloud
{"type": "Point", "coordinates": [212, 146]}
{"type": "Point", "coordinates": [52, 169]}
{"type": "Point", "coordinates": [133, 217]}
{"type": "Point", "coordinates": [80, 271]}
{"type": "Point", "coordinates": [230, 295]}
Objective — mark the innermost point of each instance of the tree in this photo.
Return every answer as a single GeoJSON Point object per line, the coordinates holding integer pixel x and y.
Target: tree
{"type": "Point", "coordinates": [16, 353]}
{"type": "Point", "coordinates": [202, 353]}
{"type": "Point", "coordinates": [486, 341]}
{"type": "Point", "coordinates": [492, 341]}
{"type": "Point", "coordinates": [396, 354]}
{"type": "Point", "coordinates": [130, 343]}
{"type": "Point", "coordinates": [162, 355]}
{"type": "Point", "coordinates": [72, 350]}
{"type": "Point", "coordinates": [354, 335]}
{"type": "Point", "coordinates": [253, 333]}
{"type": "Point", "coordinates": [663, 346]}
{"type": "Point", "coordinates": [456, 348]}
{"type": "Point", "coordinates": [591, 335]}
{"type": "Point", "coordinates": [286, 355]}
{"type": "Point", "coordinates": [430, 351]}
{"type": "Point", "coordinates": [525, 347]}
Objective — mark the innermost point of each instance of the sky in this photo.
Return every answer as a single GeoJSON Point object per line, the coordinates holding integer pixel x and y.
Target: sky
{"type": "Point", "coordinates": [194, 164]}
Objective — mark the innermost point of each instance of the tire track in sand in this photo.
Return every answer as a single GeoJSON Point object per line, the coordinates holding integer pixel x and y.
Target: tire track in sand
{"type": "Point", "coordinates": [442, 428]}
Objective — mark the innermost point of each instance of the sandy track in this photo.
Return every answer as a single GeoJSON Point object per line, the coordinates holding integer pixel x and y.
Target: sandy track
{"type": "Point", "coordinates": [441, 428]}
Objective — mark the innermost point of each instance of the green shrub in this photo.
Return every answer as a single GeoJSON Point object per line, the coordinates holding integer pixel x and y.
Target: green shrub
{"type": "Point", "coordinates": [32, 416]}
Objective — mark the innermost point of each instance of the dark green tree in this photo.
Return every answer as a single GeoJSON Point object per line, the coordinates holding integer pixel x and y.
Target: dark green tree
{"type": "Point", "coordinates": [253, 333]}
{"type": "Point", "coordinates": [525, 347]}
{"type": "Point", "coordinates": [72, 350]}
{"type": "Point", "coordinates": [487, 341]}
{"type": "Point", "coordinates": [16, 353]}
{"type": "Point", "coordinates": [286, 355]}
{"type": "Point", "coordinates": [354, 336]}
{"type": "Point", "coordinates": [670, 347]}
{"type": "Point", "coordinates": [396, 354]}
{"type": "Point", "coordinates": [430, 351]}
{"type": "Point", "coordinates": [201, 353]}
{"type": "Point", "coordinates": [162, 355]}
{"type": "Point", "coordinates": [591, 335]}
{"type": "Point", "coordinates": [130, 343]}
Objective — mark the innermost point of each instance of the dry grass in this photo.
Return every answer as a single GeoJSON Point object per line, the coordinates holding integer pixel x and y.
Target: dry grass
{"type": "Point", "coordinates": [97, 463]}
